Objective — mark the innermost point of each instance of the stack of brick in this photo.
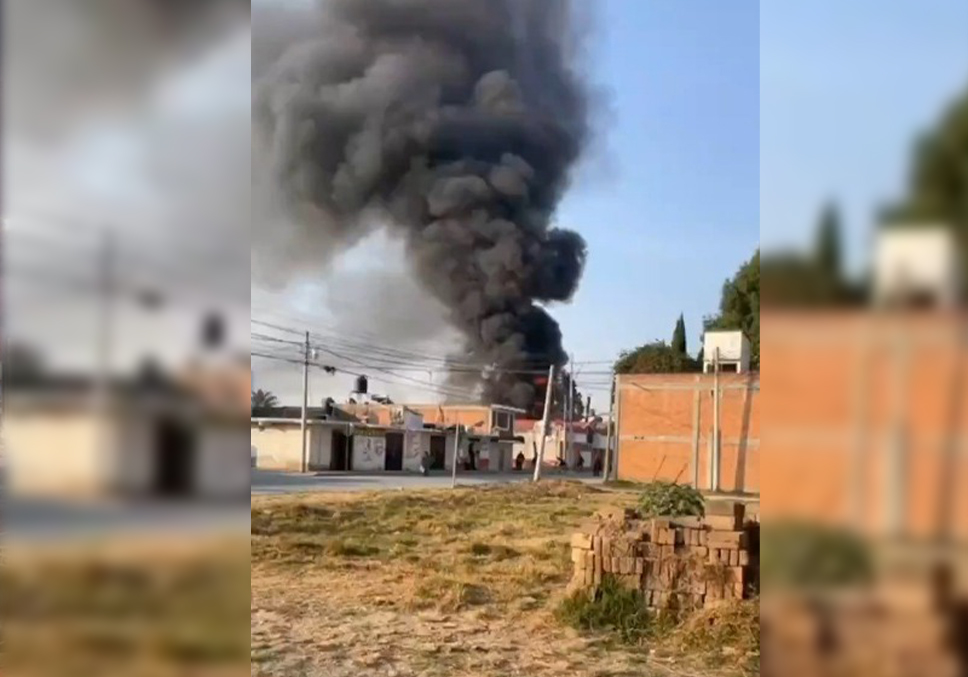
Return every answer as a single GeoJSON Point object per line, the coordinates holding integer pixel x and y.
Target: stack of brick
{"type": "Point", "coordinates": [683, 562]}
{"type": "Point", "coordinates": [872, 632]}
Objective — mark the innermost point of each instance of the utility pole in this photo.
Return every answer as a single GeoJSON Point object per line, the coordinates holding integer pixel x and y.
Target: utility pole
{"type": "Point", "coordinates": [714, 461]}
{"type": "Point", "coordinates": [570, 403]}
{"type": "Point", "coordinates": [107, 265]}
{"type": "Point", "coordinates": [544, 422]}
{"type": "Point", "coordinates": [607, 469]}
{"type": "Point", "coordinates": [305, 402]}
{"type": "Point", "coordinates": [453, 465]}
{"type": "Point", "coordinates": [107, 273]}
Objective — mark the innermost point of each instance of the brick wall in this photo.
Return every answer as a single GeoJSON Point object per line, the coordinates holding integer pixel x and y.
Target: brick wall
{"type": "Point", "coordinates": [866, 420]}
{"type": "Point", "coordinates": [865, 415]}
{"type": "Point", "coordinates": [665, 429]}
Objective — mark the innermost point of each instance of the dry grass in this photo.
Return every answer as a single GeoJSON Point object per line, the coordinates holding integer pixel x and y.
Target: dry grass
{"type": "Point", "coordinates": [142, 612]}
{"type": "Point", "coordinates": [427, 583]}
{"type": "Point", "coordinates": [725, 635]}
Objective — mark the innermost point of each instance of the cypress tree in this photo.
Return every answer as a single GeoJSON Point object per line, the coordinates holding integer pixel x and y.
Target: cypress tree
{"type": "Point", "coordinates": [679, 336]}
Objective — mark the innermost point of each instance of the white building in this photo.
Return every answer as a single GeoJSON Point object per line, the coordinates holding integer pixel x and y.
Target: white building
{"type": "Point", "coordinates": [731, 348]}
{"type": "Point", "coordinates": [339, 445]}
{"type": "Point", "coordinates": [584, 439]}
{"type": "Point", "coordinates": [141, 439]}
{"type": "Point", "coordinates": [916, 265]}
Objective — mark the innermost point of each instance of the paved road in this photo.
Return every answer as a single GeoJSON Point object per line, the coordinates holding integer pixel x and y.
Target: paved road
{"type": "Point", "coordinates": [35, 520]}
{"type": "Point", "coordinates": [264, 482]}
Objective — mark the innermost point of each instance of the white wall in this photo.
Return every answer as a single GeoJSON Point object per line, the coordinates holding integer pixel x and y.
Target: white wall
{"type": "Point", "coordinates": [415, 445]}
{"type": "Point", "coordinates": [49, 453]}
{"type": "Point", "coordinates": [222, 465]}
{"type": "Point", "coordinates": [133, 467]}
{"type": "Point", "coordinates": [369, 452]}
{"type": "Point", "coordinates": [733, 347]}
{"type": "Point", "coordinates": [501, 456]}
{"type": "Point", "coordinates": [320, 447]}
{"type": "Point", "coordinates": [498, 455]}
{"type": "Point", "coordinates": [553, 442]}
{"type": "Point", "coordinates": [449, 450]}
{"type": "Point", "coordinates": [921, 259]}
{"type": "Point", "coordinates": [277, 447]}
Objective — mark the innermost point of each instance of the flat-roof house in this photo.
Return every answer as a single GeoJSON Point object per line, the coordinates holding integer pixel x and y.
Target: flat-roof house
{"type": "Point", "coordinates": [378, 437]}
{"type": "Point", "coordinates": [129, 436]}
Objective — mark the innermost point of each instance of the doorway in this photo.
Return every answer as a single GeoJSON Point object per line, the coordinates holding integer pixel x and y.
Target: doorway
{"type": "Point", "coordinates": [174, 459]}
{"type": "Point", "coordinates": [342, 454]}
{"type": "Point", "coordinates": [438, 451]}
{"type": "Point", "coordinates": [394, 455]}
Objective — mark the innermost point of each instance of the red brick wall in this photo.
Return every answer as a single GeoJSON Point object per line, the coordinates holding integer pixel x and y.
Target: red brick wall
{"type": "Point", "coordinates": [845, 390]}
{"type": "Point", "coordinates": [656, 424]}
{"type": "Point", "coordinates": [865, 422]}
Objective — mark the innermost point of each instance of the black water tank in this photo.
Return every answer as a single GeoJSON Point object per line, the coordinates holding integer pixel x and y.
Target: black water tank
{"type": "Point", "coordinates": [213, 331]}
{"type": "Point", "coordinates": [361, 385]}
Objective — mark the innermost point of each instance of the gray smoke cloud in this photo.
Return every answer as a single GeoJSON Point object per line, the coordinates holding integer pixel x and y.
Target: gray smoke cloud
{"type": "Point", "coordinates": [68, 60]}
{"type": "Point", "coordinates": [454, 123]}
{"type": "Point", "coordinates": [125, 114]}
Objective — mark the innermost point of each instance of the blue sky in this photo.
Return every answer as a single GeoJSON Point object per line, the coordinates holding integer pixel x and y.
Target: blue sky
{"type": "Point", "coordinates": [676, 210]}
{"type": "Point", "coordinates": [844, 87]}
{"type": "Point", "coordinates": [732, 124]}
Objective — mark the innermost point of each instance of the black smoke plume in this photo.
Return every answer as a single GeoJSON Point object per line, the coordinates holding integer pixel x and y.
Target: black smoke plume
{"type": "Point", "coordinates": [455, 123]}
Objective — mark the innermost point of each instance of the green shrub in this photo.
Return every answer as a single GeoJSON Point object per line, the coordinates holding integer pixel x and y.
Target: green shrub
{"type": "Point", "coordinates": [799, 554]}
{"type": "Point", "coordinates": [667, 499]}
{"type": "Point", "coordinates": [612, 608]}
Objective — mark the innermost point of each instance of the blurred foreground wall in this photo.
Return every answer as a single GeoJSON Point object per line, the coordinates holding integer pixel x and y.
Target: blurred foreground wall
{"type": "Point", "coordinates": [866, 420]}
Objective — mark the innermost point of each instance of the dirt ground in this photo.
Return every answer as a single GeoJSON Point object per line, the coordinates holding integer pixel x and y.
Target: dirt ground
{"type": "Point", "coordinates": [142, 608]}
{"type": "Point", "coordinates": [448, 583]}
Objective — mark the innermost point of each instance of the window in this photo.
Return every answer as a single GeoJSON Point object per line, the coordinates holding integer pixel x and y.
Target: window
{"type": "Point", "coordinates": [501, 420]}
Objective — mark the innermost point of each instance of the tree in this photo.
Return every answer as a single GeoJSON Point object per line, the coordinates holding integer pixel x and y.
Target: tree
{"type": "Point", "coordinates": [828, 245]}
{"type": "Point", "coordinates": [739, 306]}
{"type": "Point", "coordinates": [937, 186]}
{"type": "Point", "coordinates": [792, 280]}
{"type": "Point", "coordinates": [657, 357]}
{"type": "Point", "coordinates": [811, 279]}
{"type": "Point", "coordinates": [679, 336]}
{"type": "Point", "coordinates": [263, 399]}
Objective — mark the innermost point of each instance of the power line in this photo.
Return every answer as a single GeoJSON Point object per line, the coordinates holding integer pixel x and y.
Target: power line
{"type": "Point", "coordinates": [422, 385]}
{"type": "Point", "coordinates": [388, 356]}
{"type": "Point", "coordinates": [406, 366]}
{"type": "Point", "coordinates": [77, 269]}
